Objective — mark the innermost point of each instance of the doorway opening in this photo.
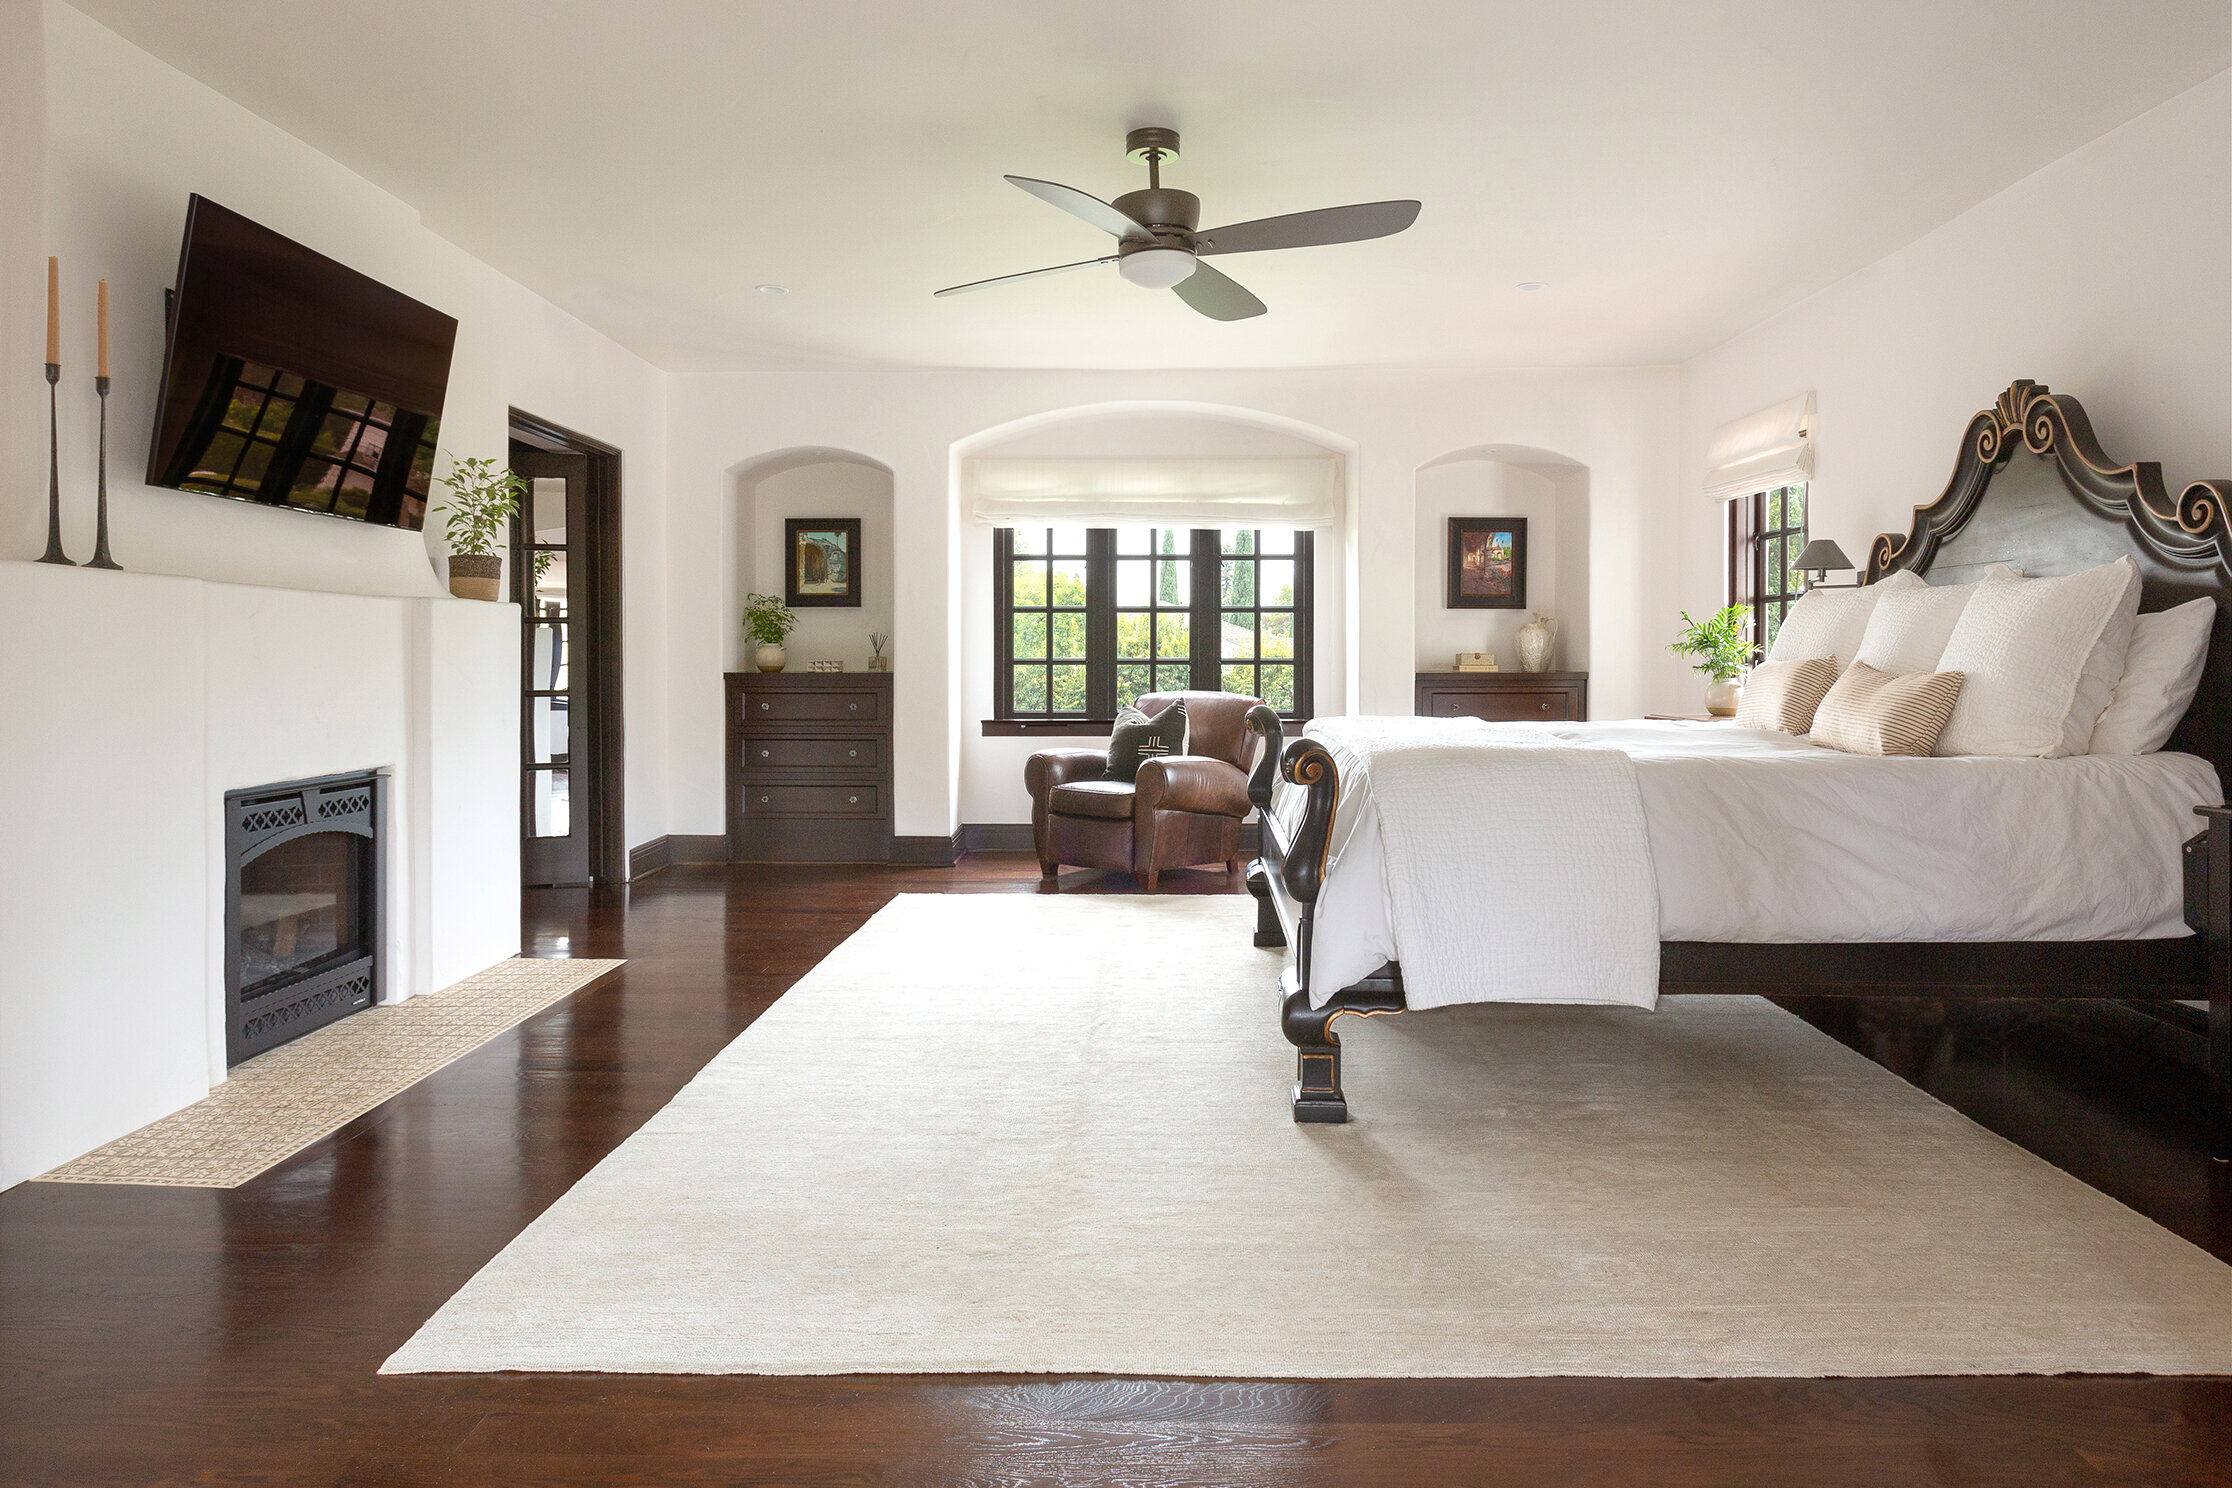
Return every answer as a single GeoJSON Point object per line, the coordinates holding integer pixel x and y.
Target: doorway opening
{"type": "Point", "coordinates": [565, 573]}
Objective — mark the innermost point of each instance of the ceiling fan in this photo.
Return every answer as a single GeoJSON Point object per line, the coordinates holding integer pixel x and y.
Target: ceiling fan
{"type": "Point", "coordinates": [1158, 246]}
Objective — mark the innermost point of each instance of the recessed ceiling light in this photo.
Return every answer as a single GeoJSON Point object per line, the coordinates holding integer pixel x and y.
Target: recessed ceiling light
{"type": "Point", "coordinates": [770, 289]}
{"type": "Point", "coordinates": [1532, 285]}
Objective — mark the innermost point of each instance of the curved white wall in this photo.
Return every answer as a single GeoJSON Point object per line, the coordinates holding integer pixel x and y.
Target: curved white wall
{"type": "Point", "coordinates": [1553, 495]}
{"type": "Point", "coordinates": [810, 485]}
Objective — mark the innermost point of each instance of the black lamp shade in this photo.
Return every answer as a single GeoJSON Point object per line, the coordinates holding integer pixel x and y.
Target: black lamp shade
{"type": "Point", "coordinates": [1822, 554]}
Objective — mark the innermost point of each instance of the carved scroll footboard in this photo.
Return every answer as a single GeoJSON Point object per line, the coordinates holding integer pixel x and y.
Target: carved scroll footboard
{"type": "Point", "coordinates": [1286, 880]}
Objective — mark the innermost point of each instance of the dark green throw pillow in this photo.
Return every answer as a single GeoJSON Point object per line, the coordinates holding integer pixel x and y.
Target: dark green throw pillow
{"type": "Point", "coordinates": [1138, 737]}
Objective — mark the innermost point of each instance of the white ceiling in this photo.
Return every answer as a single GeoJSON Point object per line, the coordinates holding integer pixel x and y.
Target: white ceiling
{"type": "Point", "coordinates": [1674, 171]}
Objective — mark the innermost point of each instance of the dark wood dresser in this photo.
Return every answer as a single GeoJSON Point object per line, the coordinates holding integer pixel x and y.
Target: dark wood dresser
{"type": "Point", "coordinates": [809, 767]}
{"type": "Point", "coordinates": [1504, 697]}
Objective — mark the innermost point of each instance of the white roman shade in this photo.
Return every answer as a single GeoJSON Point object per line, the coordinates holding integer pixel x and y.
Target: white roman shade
{"type": "Point", "coordinates": [1760, 451]}
{"type": "Point", "coordinates": [1296, 491]}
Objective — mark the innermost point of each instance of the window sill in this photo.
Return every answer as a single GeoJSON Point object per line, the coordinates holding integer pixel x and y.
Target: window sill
{"type": "Point", "coordinates": [1082, 728]}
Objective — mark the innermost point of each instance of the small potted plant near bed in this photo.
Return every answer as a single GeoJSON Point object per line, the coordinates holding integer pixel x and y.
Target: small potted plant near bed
{"type": "Point", "coordinates": [767, 621]}
{"type": "Point", "coordinates": [1723, 654]}
{"type": "Point", "coordinates": [483, 496]}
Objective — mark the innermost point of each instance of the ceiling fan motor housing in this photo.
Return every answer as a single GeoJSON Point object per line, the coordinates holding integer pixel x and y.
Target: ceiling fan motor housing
{"type": "Point", "coordinates": [1163, 209]}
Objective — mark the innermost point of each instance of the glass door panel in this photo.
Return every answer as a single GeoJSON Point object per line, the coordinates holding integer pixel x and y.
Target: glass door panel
{"type": "Point", "coordinates": [556, 847]}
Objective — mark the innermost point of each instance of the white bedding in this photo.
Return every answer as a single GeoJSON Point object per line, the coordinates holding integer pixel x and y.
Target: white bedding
{"type": "Point", "coordinates": [1756, 836]}
{"type": "Point", "coordinates": [1521, 867]}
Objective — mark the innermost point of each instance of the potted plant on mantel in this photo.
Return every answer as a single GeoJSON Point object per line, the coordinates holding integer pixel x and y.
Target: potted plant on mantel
{"type": "Point", "coordinates": [1723, 654]}
{"type": "Point", "coordinates": [767, 622]}
{"type": "Point", "coordinates": [483, 496]}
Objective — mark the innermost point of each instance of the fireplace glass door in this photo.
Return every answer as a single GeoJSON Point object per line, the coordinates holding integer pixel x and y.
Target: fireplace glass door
{"type": "Point", "coordinates": [301, 908]}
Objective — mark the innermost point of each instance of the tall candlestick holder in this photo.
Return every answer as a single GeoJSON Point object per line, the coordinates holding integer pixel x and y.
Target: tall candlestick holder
{"type": "Point", "coordinates": [54, 553]}
{"type": "Point", "coordinates": [101, 558]}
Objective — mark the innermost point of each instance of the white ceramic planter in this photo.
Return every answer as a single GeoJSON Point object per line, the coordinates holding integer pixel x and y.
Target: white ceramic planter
{"type": "Point", "coordinates": [1721, 698]}
{"type": "Point", "coordinates": [770, 658]}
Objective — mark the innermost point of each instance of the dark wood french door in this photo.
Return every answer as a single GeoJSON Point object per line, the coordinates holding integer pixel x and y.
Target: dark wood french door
{"type": "Point", "coordinates": [565, 576]}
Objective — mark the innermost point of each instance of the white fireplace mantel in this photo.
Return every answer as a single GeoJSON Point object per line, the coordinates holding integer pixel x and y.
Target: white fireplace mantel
{"type": "Point", "coordinates": [133, 702]}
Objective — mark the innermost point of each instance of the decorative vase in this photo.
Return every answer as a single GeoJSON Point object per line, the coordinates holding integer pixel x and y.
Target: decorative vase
{"type": "Point", "coordinates": [476, 575]}
{"type": "Point", "coordinates": [770, 658]}
{"type": "Point", "coordinates": [1533, 643]}
{"type": "Point", "coordinates": [1721, 698]}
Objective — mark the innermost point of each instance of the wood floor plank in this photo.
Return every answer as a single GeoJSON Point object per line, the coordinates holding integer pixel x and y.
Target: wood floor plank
{"type": "Point", "coordinates": [179, 1336]}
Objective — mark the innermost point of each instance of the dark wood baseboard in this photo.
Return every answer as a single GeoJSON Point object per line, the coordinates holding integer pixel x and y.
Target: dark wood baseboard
{"type": "Point", "coordinates": [660, 852]}
{"type": "Point", "coordinates": [1016, 837]}
{"type": "Point", "coordinates": [930, 852]}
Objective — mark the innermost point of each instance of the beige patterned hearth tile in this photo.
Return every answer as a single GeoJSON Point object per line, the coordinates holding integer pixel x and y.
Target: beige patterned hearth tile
{"type": "Point", "coordinates": [278, 1103]}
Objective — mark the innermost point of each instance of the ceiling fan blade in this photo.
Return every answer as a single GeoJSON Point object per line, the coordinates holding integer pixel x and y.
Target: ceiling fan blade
{"type": "Point", "coordinates": [1310, 229]}
{"type": "Point", "coordinates": [1081, 204]}
{"type": "Point", "coordinates": [1216, 296]}
{"type": "Point", "coordinates": [1026, 274]}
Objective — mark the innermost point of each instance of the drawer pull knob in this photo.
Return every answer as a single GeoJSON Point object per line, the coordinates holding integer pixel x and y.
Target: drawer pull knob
{"type": "Point", "coordinates": [1545, 707]}
{"type": "Point", "coordinates": [763, 800]}
{"type": "Point", "coordinates": [854, 706]}
{"type": "Point", "coordinates": [852, 800]}
{"type": "Point", "coordinates": [763, 707]}
{"type": "Point", "coordinates": [763, 754]}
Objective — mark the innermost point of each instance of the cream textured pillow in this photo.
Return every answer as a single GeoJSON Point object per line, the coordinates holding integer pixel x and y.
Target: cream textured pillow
{"type": "Point", "coordinates": [1872, 712]}
{"type": "Point", "coordinates": [1782, 695]}
{"type": "Point", "coordinates": [2161, 670]}
{"type": "Point", "coordinates": [1911, 623]}
{"type": "Point", "coordinates": [2041, 658]}
{"type": "Point", "coordinates": [1830, 622]}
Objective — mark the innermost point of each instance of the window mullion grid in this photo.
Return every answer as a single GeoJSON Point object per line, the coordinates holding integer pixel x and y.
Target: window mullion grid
{"type": "Point", "coordinates": [1204, 625]}
{"type": "Point", "coordinates": [1100, 622]}
{"type": "Point", "coordinates": [1305, 611]}
{"type": "Point", "coordinates": [1003, 621]}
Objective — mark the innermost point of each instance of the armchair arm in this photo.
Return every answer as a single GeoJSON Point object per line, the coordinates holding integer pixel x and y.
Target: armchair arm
{"type": "Point", "coordinates": [1192, 782]}
{"type": "Point", "coordinates": [1051, 767]}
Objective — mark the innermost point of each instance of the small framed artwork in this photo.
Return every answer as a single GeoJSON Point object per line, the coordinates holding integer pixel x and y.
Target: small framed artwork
{"type": "Point", "coordinates": [1487, 563]}
{"type": "Point", "coordinates": [823, 561]}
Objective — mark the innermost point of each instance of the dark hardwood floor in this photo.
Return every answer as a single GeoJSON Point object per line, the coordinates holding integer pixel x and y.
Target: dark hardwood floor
{"type": "Point", "coordinates": [177, 1336]}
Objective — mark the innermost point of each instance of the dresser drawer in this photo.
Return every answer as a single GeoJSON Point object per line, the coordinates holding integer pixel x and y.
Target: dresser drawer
{"type": "Point", "coordinates": [812, 800]}
{"type": "Point", "coordinates": [765, 753]}
{"type": "Point", "coordinates": [812, 707]}
{"type": "Point", "coordinates": [1502, 707]}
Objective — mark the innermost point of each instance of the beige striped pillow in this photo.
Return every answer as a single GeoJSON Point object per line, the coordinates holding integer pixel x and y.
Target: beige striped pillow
{"type": "Point", "coordinates": [1872, 712]}
{"type": "Point", "coordinates": [1782, 695]}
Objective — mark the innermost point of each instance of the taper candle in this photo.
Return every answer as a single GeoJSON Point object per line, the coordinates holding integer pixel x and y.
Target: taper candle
{"type": "Point", "coordinates": [54, 311]}
{"type": "Point", "coordinates": [102, 369]}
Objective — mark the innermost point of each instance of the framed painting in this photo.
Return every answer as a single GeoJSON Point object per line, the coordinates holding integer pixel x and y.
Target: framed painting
{"type": "Point", "coordinates": [821, 561]}
{"type": "Point", "coordinates": [1487, 563]}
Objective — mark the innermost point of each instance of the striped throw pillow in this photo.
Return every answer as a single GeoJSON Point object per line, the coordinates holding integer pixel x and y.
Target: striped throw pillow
{"type": "Point", "coordinates": [1782, 695]}
{"type": "Point", "coordinates": [1872, 712]}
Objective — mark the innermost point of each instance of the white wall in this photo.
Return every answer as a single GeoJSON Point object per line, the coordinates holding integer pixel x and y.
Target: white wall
{"type": "Point", "coordinates": [1623, 425]}
{"type": "Point", "coordinates": [2107, 275]}
{"type": "Point", "coordinates": [820, 488]}
{"type": "Point", "coordinates": [1554, 500]}
{"type": "Point", "coordinates": [127, 139]}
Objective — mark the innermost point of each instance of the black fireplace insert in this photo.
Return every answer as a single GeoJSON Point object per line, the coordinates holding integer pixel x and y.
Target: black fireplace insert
{"type": "Point", "coordinates": [303, 907]}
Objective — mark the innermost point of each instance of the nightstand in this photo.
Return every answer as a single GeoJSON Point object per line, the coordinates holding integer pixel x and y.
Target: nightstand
{"type": "Point", "coordinates": [1504, 697]}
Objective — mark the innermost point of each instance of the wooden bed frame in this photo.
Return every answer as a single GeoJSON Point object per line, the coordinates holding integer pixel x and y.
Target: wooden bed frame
{"type": "Point", "coordinates": [2030, 488]}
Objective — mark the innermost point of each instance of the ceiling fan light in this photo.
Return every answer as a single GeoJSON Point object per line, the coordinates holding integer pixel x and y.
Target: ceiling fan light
{"type": "Point", "coordinates": [1157, 268]}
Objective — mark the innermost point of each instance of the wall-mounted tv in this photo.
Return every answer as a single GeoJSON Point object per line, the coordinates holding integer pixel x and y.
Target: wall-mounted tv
{"type": "Point", "coordinates": [294, 381]}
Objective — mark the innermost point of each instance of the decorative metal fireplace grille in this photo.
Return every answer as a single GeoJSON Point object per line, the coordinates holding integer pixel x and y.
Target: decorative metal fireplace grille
{"type": "Point", "coordinates": [303, 907]}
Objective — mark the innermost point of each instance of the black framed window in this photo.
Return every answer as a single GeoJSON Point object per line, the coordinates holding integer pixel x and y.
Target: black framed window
{"type": "Point", "coordinates": [1089, 620]}
{"type": "Point", "coordinates": [1766, 533]}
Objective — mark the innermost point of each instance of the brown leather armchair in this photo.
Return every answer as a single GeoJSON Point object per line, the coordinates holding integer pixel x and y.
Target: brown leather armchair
{"type": "Point", "coordinates": [1185, 809]}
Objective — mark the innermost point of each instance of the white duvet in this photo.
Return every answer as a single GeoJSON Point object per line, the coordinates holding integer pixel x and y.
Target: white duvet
{"type": "Point", "coordinates": [1756, 836]}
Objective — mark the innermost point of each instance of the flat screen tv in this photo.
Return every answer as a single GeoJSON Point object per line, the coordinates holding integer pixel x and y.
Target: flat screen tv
{"type": "Point", "coordinates": [294, 381]}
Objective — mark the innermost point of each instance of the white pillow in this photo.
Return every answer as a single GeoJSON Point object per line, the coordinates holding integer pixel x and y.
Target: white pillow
{"type": "Point", "coordinates": [1829, 622]}
{"type": "Point", "coordinates": [2040, 658]}
{"type": "Point", "coordinates": [1911, 624]}
{"type": "Point", "coordinates": [2161, 671]}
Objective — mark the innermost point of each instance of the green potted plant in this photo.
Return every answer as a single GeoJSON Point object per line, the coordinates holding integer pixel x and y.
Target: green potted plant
{"type": "Point", "coordinates": [483, 497]}
{"type": "Point", "coordinates": [767, 621]}
{"type": "Point", "coordinates": [1723, 653]}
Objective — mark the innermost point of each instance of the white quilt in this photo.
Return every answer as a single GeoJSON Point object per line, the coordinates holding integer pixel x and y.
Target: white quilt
{"type": "Point", "coordinates": [1756, 836]}
{"type": "Point", "coordinates": [1520, 868]}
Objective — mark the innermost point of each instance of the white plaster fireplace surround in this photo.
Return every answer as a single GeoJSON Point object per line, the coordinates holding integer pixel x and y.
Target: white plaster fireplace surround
{"type": "Point", "coordinates": [133, 703]}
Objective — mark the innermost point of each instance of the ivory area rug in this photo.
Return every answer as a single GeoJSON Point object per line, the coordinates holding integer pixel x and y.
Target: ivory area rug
{"type": "Point", "coordinates": [1050, 1135]}
{"type": "Point", "coordinates": [276, 1104]}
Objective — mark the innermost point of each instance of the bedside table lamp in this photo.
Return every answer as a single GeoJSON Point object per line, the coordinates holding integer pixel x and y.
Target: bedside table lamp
{"type": "Point", "coordinates": [1820, 556]}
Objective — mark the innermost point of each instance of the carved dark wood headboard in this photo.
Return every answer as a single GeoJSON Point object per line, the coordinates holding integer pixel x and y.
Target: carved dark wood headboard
{"type": "Point", "coordinates": [2031, 488]}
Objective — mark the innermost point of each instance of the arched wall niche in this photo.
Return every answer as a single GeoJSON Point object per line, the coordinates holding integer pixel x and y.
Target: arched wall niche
{"type": "Point", "coordinates": [1551, 491]}
{"type": "Point", "coordinates": [812, 481]}
{"type": "Point", "coordinates": [991, 785]}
